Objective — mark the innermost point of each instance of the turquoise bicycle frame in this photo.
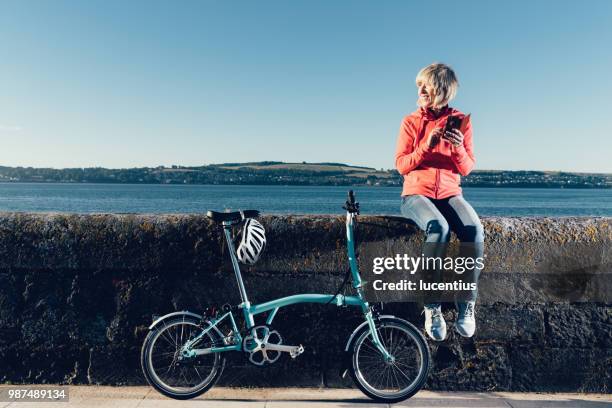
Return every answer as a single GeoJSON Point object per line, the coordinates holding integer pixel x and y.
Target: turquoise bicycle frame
{"type": "Point", "coordinates": [250, 311]}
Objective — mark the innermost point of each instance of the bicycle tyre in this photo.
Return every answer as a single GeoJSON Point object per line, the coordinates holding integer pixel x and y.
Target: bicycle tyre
{"type": "Point", "coordinates": [153, 378]}
{"type": "Point", "coordinates": [359, 364]}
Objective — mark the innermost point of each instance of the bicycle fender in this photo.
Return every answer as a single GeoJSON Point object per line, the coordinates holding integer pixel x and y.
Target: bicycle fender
{"type": "Point", "coordinates": [170, 315]}
{"type": "Point", "coordinates": [350, 340]}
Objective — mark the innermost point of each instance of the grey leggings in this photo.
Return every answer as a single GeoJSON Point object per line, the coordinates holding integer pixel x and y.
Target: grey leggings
{"type": "Point", "coordinates": [438, 218]}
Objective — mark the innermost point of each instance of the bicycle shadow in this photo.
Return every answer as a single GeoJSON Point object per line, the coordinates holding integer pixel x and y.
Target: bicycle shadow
{"type": "Point", "coordinates": [491, 401]}
{"type": "Point", "coordinates": [318, 401]}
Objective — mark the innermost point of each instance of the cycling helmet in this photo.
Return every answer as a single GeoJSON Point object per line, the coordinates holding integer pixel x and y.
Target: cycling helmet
{"type": "Point", "coordinates": [252, 243]}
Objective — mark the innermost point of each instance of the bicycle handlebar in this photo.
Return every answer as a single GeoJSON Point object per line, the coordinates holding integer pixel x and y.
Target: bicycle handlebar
{"type": "Point", "coordinates": [351, 205]}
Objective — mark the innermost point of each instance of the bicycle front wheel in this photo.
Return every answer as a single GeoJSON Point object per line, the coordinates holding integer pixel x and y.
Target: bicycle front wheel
{"type": "Point", "coordinates": [396, 380]}
{"type": "Point", "coordinates": [167, 372]}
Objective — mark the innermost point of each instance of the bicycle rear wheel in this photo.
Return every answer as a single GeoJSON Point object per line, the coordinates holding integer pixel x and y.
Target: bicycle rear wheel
{"type": "Point", "coordinates": [174, 377]}
{"type": "Point", "coordinates": [390, 381]}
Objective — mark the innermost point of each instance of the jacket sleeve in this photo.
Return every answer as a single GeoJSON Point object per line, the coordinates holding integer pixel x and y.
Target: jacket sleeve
{"type": "Point", "coordinates": [407, 158]}
{"type": "Point", "coordinates": [463, 156]}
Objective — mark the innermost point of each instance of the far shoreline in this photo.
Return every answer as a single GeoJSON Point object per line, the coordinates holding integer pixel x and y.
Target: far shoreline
{"type": "Point", "coordinates": [505, 187]}
{"type": "Point", "coordinates": [271, 173]}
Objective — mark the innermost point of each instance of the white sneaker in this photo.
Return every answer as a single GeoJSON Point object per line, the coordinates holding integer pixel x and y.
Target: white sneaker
{"type": "Point", "coordinates": [435, 326]}
{"type": "Point", "coordinates": [466, 319]}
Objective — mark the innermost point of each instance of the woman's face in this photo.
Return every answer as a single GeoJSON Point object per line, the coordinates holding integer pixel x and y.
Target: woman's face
{"type": "Point", "coordinates": [425, 93]}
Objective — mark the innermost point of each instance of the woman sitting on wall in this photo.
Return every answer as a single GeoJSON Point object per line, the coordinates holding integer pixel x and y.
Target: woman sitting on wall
{"type": "Point", "coordinates": [431, 160]}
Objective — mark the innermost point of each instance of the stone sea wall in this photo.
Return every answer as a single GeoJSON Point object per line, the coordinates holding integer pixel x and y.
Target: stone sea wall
{"type": "Point", "coordinates": [77, 293]}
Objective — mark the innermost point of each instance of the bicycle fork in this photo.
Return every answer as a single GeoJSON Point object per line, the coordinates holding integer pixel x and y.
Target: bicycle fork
{"type": "Point", "coordinates": [380, 346]}
{"type": "Point", "coordinates": [357, 284]}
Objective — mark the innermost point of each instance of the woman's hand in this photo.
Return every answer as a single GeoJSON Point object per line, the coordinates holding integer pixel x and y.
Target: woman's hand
{"type": "Point", "coordinates": [434, 137]}
{"type": "Point", "coordinates": [454, 136]}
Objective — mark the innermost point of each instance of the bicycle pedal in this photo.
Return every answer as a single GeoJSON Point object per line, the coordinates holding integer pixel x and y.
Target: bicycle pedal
{"type": "Point", "coordinates": [296, 351]}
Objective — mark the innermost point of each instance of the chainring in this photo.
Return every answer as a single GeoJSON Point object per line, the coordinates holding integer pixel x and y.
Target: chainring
{"type": "Point", "coordinates": [254, 344]}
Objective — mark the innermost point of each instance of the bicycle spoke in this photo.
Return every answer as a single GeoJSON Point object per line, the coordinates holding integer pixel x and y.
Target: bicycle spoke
{"type": "Point", "coordinates": [380, 376]}
{"type": "Point", "coordinates": [372, 347]}
{"type": "Point", "coordinates": [169, 339]}
{"type": "Point", "coordinates": [401, 372]}
{"type": "Point", "coordinates": [182, 329]}
{"type": "Point", "coordinates": [196, 370]}
{"type": "Point", "coordinates": [395, 376]}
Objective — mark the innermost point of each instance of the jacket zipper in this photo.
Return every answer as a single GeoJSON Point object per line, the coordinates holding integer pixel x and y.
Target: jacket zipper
{"type": "Point", "coordinates": [437, 148]}
{"type": "Point", "coordinates": [437, 184]}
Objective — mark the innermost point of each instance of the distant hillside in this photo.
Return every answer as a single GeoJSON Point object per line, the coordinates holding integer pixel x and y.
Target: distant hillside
{"type": "Point", "coordinates": [329, 167]}
{"type": "Point", "coordinates": [280, 173]}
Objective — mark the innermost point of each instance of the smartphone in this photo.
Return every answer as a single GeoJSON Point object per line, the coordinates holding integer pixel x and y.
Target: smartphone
{"type": "Point", "coordinates": [452, 122]}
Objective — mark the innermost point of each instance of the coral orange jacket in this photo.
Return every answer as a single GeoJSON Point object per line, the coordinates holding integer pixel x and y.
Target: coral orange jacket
{"type": "Point", "coordinates": [432, 172]}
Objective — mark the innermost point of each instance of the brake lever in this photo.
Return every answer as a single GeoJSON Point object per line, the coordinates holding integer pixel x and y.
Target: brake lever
{"type": "Point", "coordinates": [352, 208]}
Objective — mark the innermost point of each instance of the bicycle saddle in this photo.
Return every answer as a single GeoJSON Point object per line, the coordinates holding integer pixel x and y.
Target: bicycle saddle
{"type": "Point", "coordinates": [234, 216]}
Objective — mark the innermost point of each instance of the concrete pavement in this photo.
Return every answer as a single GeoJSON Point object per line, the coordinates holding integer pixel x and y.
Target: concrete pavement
{"type": "Point", "coordinates": [145, 397]}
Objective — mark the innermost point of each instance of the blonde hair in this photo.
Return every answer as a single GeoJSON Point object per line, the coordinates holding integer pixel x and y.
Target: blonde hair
{"type": "Point", "coordinates": [442, 79]}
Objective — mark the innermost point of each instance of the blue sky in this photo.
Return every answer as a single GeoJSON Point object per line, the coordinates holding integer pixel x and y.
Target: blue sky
{"type": "Point", "coordinates": [129, 83]}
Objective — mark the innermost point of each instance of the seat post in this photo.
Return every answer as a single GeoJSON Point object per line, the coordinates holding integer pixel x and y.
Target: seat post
{"type": "Point", "coordinates": [227, 226]}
